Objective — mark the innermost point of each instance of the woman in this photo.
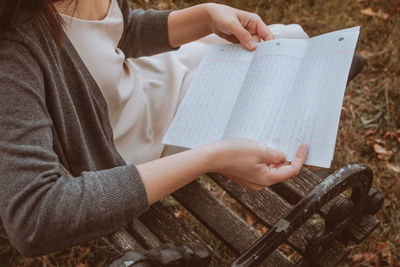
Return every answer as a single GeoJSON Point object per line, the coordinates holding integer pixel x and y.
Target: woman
{"type": "Point", "coordinates": [53, 112]}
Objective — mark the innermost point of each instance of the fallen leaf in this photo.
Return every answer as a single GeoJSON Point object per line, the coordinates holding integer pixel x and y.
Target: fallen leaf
{"type": "Point", "coordinates": [368, 11]}
{"type": "Point", "coordinates": [386, 252]}
{"type": "Point", "coordinates": [369, 131]}
{"type": "Point", "coordinates": [294, 254]}
{"type": "Point", "coordinates": [162, 5]}
{"type": "Point", "coordinates": [250, 219]}
{"type": "Point", "coordinates": [358, 257]}
{"type": "Point", "coordinates": [393, 168]}
{"type": "Point", "coordinates": [380, 14]}
{"type": "Point", "coordinates": [381, 245]}
{"type": "Point", "coordinates": [380, 141]}
{"type": "Point", "coordinates": [264, 229]}
{"type": "Point", "coordinates": [368, 122]}
{"type": "Point", "coordinates": [376, 260]}
{"type": "Point", "coordinates": [398, 135]}
{"type": "Point", "coordinates": [366, 54]}
{"type": "Point", "coordinates": [369, 256]}
{"type": "Point", "coordinates": [179, 214]}
{"type": "Point", "coordinates": [381, 150]}
{"type": "Point", "coordinates": [389, 134]}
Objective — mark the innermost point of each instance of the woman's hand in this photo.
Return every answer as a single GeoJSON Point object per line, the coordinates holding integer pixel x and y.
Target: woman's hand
{"type": "Point", "coordinates": [253, 165]}
{"type": "Point", "coordinates": [232, 24]}
{"type": "Point", "coordinates": [248, 163]}
{"type": "Point", "coordinates": [236, 26]}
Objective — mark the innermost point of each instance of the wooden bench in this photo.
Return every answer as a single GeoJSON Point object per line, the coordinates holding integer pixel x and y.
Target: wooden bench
{"type": "Point", "coordinates": [285, 209]}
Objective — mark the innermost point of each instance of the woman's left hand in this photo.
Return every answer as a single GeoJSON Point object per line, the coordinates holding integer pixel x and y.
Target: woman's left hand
{"type": "Point", "coordinates": [238, 26]}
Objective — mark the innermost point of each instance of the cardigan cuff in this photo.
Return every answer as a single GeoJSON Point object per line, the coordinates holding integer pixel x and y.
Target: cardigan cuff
{"type": "Point", "coordinates": [125, 194]}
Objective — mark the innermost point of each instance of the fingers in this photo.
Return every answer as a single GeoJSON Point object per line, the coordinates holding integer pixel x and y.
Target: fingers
{"type": "Point", "coordinates": [300, 157]}
{"type": "Point", "coordinates": [273, 156]}
{"type": "Point", "coordinates": [264, 32]}
{"type": "Point", "coordinates": [243, 35]}
{"type": "Point", "coordinates": [257, 27]}
{"type": "Point", "coordinates": [232, 38]}
{"type": "Point", "coordinates": [256, 166]}
{"type": "Point", "coordinates": [249, 29]}
{"type": "Point", "coordinates": [283, 172]}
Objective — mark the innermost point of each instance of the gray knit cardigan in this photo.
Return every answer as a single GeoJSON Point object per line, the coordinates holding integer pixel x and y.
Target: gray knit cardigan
{"type": "Point", "coordinates": [51, 112]}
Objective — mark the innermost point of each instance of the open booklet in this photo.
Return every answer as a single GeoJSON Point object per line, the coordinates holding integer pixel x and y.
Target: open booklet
{"type": "Point", "coordinates": [286, 92]}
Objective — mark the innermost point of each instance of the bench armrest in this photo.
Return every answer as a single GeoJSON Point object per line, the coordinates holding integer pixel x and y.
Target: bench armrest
{"type": "Point", "coordinates": [357, 177]}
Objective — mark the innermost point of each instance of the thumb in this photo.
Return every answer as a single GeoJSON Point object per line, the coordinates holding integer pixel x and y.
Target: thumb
{"type": "Point", "coordinates": [243, 36]}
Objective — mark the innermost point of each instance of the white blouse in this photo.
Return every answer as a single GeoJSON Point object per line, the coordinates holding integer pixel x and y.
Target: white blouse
{"type": "Point", "coordinates": [142, 94]}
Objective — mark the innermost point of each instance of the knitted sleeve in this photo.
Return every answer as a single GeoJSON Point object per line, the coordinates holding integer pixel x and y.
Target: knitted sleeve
{"type": "Point", "coordinates": [145, 32]}
{"type": "Point", "coordinates": [41, 209]}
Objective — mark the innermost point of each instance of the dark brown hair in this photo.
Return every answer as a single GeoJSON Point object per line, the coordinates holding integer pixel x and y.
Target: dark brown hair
{"type": "Point", "coordinates": [41, 12]}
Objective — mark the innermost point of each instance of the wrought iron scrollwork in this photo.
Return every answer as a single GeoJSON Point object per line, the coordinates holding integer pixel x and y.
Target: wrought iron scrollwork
{"type": "Point", "coordinates": [169, 255]}
{"type": "Point", "coordinates": [363, 199]}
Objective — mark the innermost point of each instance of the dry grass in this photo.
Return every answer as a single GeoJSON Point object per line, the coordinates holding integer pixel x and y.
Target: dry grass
{"type": "Point", "coordinates": [369, 121]}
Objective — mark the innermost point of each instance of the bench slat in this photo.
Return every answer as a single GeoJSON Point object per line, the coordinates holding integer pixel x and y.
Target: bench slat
{"type": "Point", "coordinates": [140, 232]}
{"type": "Point", "coordinates": [122, 241]}
{"type": "Point", "coordinates": [222, 221]}
{"type": "Point", "coordinates": [358, 232]}
{"type": "Point", "coordinates": [304, 183]}
{"type": "Point", "coordinates": [271, 205]}
{"type": "Point", "coordinates": [158, 225]}
{"type": "Point", "coordinates": [267, 206]}
{"type": "Point", "coordinates": [168, 229]}
{"type": "Point", "coordinates": [259, 203]}
{"type": "Point", "coordinates": [333, 254]}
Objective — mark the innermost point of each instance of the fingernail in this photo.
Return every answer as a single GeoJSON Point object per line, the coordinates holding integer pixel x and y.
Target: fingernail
{"type": "Point", "coordinates": [272, 36]}
{"type": "Point", "coordinates": [252, 44]}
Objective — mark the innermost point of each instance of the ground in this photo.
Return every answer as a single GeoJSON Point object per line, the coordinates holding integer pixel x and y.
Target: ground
{"type": "Point", "coordinates": [369, 127]}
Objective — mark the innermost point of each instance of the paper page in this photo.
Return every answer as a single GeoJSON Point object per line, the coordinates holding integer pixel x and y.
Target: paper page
{"type": "Point", "coordinates": [292, 93]}
{"type": "Point", "coordinates": [301, 98]}
{"type": "Point", "coordinates": [267, 87]}
{"type": "Point", "coordinates": [327, 115]}
{"type": "Point", "coordinates": [207, 106]}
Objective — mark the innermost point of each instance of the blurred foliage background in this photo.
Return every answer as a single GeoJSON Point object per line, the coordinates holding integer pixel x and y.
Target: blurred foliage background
{"type": "Point", "coordinates": [370, 121]}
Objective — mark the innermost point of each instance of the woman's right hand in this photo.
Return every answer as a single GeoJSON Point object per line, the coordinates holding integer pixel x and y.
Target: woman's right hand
{"type": "Point", "coordinates": [252, 164]}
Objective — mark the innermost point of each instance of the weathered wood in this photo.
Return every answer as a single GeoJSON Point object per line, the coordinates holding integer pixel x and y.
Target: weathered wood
{"type": "Point", "coordinates": [277, 259]}
{"type": "Point", "coordinates": [123, 241]}
{"type": "Point", "coordinates": [259, 203]}
{"type": "Point", "coordinates": [140, 232]}
{"type": "Point", "coordinates": [306, 181]}
{"type": "Point", "coordinates": [168, 229]}
{"type": "Point", "coordinates": [158, 225]}
{"type": "Point", "coordinates": [220, 220]}
{"type": "Point", "coordinates": [270, 203]}
{"type": "Point", "coordinates": [267, 206]}
{"type": "Point", "coordinates": [357, 232]}
{"type": "Point", "coordinates": [224, 223]}
{"type": "Point", "coordinates": [332, 255]}
{"type": "Point", "coordinates": [303, 183]}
